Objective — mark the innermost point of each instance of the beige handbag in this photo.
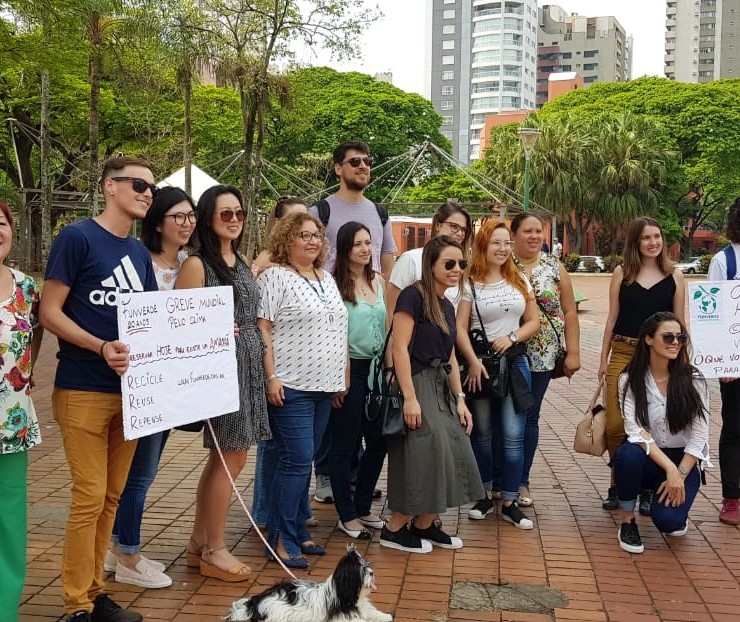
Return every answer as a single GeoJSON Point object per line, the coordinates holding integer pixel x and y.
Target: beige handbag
{"type": "Point", "coordinates": [591, 431]}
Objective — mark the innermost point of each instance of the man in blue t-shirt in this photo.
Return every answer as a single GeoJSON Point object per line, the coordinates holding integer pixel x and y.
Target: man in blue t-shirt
{"type": "Point", "coordinates": [91, 265]}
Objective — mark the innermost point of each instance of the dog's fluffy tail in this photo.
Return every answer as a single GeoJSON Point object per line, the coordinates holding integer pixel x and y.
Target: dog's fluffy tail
{"type": "Point", "coordinates": [240, 611]}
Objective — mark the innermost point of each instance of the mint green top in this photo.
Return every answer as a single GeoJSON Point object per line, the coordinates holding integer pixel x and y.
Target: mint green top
{"type": "Point", "coordinates": [366, 327]}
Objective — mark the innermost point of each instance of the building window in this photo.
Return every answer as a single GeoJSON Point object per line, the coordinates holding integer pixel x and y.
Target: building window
{"type": "Point", "coordinates": [449, 14]}
{"type": "Point", "coordinates": [590, 53]}
{"type": "Point", "coordinates": [446, 104]}
{"type": "Point", "coordinates": [447, 134]}
{"type": "Point", "coordinates": [566, 55]}
{"type": "Point", "coordinates": [448, 45]}
{"type": "Point", "coordinates": [447, 120]}
{"type": "Point", "coordinates": [448, 60]}
{"type": "Point", "coordinates": [566, 67]}
{"type": "Point", "coordinates": [489, 57]}
{"type": "Point", "coordinates": [448, 30]}
{"type": "Point", "coordinates": [449, 1]}
{"type": "Point", "coordinates": [590, 66]}
{"type": "Point", "coordinates": [447, 90]}
{"type": "Point", "coordinates": [485, 87]}
{"type": "Point", "coordinates": [589, 79]}
{"type": "Point", "coordinates": [448, 75]}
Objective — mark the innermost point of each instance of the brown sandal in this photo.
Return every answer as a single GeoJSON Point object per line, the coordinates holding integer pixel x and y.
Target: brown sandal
{"type": "Point", "coordinates": [236, 574]}
{"type": "Point", "coordinates": [192, 560]}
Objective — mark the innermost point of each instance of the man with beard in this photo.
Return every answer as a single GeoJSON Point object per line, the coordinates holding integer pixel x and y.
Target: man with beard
{"type": "Point", "coordinates": [93, 264]}
{"type": "Point", "coordinates": [352, 163]}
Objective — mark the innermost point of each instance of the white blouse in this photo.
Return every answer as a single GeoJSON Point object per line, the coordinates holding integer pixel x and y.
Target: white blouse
{"type": "Point", "coordinates": [694, 439]}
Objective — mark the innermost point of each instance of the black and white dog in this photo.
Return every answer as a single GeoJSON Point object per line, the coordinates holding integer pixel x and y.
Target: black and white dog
{"type": "Point", "coordinates": [343, 597]}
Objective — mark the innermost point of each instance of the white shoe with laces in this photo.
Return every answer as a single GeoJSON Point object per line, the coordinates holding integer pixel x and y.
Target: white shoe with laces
{"type": "Point", "coordinates": [144, 575]}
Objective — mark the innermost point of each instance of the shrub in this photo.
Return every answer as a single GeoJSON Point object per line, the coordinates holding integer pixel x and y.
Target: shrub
{"type": "Point", "coordinates": [612, 261]}
{"type": "Point", "coordinates": [590, 265]}
{"type": "Point", "coordinates": [704, 264]}
{"type": "Point", "coordinates": [571, 261]}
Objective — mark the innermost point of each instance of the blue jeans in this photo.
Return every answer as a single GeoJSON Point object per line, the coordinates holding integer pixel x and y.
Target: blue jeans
{"type": "Point", "coordinates": [297, 427]}
{"type": "Point", "coordinates": [498, 440]}
{"type": "Point", "coordinates": [634, 471]}
{"type": "Point", "coordinates": [127, 526]}
{"type": "Point", "coordinates": [264, 471]}
{"type": "Point", "coordinates": [496, 444]}
{"type": "Point", "coordinates": [540, 382]}
{"type": "Point", "coordinates": [348, 424]}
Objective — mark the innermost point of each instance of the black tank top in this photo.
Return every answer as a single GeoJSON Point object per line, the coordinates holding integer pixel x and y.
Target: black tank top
{"type": "Point", "coordinates": [636, 304]}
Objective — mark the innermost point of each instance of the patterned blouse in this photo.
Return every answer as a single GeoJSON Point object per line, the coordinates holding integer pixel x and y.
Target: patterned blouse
{"type": "Point", "coordinates": [544, 347]}
{"type": "Point", "coordinates": [19, 428]}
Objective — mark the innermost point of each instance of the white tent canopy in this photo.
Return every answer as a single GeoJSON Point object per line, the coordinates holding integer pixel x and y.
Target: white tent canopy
{"type": "Point", "coordinates": [199, 180]}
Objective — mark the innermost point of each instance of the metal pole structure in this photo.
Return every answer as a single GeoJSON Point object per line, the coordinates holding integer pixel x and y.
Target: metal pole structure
{"type": "Point", "coordinates": [528, 136]}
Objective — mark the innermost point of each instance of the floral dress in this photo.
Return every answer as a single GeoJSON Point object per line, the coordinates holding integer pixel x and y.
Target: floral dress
{"type": "Point", "coordinates": [544, 347]}
{"type": "Point", "coordinates": [19, 428]}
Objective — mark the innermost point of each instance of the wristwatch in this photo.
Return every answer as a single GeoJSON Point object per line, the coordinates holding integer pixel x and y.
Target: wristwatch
{"type": "Point", "coordinates": [460, 394]}
{"type": "Point", "coordinates": [683, 470]}
{"type": "Point", "coordinates": [513, 337]}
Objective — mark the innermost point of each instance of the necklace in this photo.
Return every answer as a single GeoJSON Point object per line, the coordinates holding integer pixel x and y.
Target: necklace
{"type": "Point", "coordinates": [321, 295]}
{"type": "Point", "coordinates": [661, 381]}
{"type": "Point", "coordinates": [162, 262]}
{"type": "Point", "coordinates": [363, 289]}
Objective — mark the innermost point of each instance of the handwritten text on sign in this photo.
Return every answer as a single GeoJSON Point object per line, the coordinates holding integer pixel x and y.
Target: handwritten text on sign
{"type": "Point", "coordinates": [182, 358]}
{"type": "Point", "coordinates": [714, 308]}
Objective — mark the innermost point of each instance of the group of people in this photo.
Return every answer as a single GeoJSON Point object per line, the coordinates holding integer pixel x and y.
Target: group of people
{"type": "Point", "coordinates": [317, 312]}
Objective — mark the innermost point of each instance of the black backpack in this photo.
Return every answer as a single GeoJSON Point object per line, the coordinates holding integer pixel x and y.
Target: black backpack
{"type": "Point", "coordinates": [324, 210]}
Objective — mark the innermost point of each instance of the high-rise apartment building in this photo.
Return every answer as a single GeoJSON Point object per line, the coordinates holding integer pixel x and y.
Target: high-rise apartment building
{"type": "Point", "coordinates": [483, 61]}
{"type": "Point", "coordinates": [597, 48]}
{"type": "Point", "coordinates": [702, 40]}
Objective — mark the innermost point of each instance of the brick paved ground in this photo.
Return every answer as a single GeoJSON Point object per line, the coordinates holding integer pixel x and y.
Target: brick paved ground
{"type": "Point", "coordinates": [572, 548]}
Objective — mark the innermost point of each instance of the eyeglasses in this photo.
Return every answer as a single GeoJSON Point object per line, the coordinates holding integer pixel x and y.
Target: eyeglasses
{"type": "Point", "coordinates": [502, 243]}
{"type": "Point", "coordinates": [138, 184]}
{"type": "Point", "coordinates": [181, 218]}
{"type": "Point", "coordinates": [455, 228]}
{"type": "Point", "coordinates": [450, 264]}
{"type": "Point", "coordinates": [227, 215]}
{"type": "Point", "coordinates": [307, 236]}
{"type": "Point", "coordinates": [355, 162]}
{"type": "Point", "coordinates": [669, 338]}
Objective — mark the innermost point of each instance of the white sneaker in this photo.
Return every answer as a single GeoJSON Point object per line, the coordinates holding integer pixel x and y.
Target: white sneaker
{"type": "Point", "coordinates": [111, 559]}
{"type": "Point", "coordinates": [323, 492]}
{"type": "Point", "coordinates": [679, 532]}
{"type": "Point", "coordinates": [144, 576]}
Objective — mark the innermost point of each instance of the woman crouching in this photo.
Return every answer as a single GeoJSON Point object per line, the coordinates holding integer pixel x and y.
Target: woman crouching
{"type": "Point", "coordinates": [665, 407]}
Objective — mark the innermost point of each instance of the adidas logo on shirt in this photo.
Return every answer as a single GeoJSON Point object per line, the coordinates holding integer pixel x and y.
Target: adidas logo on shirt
{"type": "Point", "coordinates": [124, 279]}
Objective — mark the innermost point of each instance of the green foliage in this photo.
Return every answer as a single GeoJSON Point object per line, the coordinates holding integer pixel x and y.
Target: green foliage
{"type": "Point", "coordinates": [612, 261]}
{"type": "Point", "coordinates": [571, 261]}
{"type": "Point", "coordinates": [590, 265]}
{"type": "Point", "coordinates": [704, 264]}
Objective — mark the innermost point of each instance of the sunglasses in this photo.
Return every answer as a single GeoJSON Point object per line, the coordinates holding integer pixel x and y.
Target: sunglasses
{"type": "Point", "coordinates": [355, 162]}
{"type": "Point", "coordinates": [182, 217]}
{"type": "Point", "coordinates": [138, 184]}
{"type": "Point", "coordinates": [669, 338]}
{"type": "Point", "coordinates": [450, 264]}
{"type": "Point", "coordinates": [227, 215]}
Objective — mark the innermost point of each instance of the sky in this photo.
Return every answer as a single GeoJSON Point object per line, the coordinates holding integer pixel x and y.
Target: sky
{"type": "Point", "coordinates": [397, 42]}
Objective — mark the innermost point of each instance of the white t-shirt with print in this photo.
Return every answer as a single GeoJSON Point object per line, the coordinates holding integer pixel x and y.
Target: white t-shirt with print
{"type": "Point", "coordinates": [501, 307]}
{"type": "Point", "coordinates": [407, 270]}
{"type": "Point", "coordinates": [309, 335]}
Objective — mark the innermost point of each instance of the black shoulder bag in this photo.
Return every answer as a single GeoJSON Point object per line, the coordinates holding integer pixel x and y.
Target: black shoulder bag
{"type": "Point", "coordinates": [385, 398]}
{"type": "Point", "coordinates": [495, 364]}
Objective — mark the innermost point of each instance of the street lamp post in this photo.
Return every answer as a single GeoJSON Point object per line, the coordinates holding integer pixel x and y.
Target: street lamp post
{"type": "Point", "coordinates": [528, 136]}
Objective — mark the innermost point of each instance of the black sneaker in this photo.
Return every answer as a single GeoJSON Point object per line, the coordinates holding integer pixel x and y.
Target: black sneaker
{"type": "Point", "coordinates": [404, 540]}
{"type": "Point", "coordinates": [646, 501]}
{"type": "Point", "coordinates": [78, 616]}
{"type": "Point", "coordinates": [629, 537]}
{"type": "Point", "coordinates": [611, 502]}
{"type": "Point", "coordinates": [481, 509]}
{"type": "Point", "coordinates": [107, 610]}
{"type": "Point", "coordinates": [437, 537]}
{"type": "Point", "coordinates": [512, 514]}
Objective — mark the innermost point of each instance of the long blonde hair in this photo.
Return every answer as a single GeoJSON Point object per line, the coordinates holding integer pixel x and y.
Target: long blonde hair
{"type": "Point", "coordinates": [479, 263]}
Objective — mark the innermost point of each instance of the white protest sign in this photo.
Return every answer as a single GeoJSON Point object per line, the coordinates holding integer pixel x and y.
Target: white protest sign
{"type": "Point", "coordinates": [714, 309]}
{"type": "Point", "coordinates": [182, 358]}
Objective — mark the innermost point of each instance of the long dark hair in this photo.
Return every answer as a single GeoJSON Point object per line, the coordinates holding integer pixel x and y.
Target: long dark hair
{"type": "Point", "coordinates": [209, 244]}
{"type": "Point", "coordinates": [345, 243]}
{"type": "Point", "coordinates": [430, 303]}
{"type": "Point", "coordinates": [733, 222]}
{"type": "Point", "coordinates": [449, 208]}
{"type": "Point", "coordinates": [632, 255]}
{"type": "Point", "coordinates": [683, 403]}
{"type": "Point", "coordinates": [165, 199]}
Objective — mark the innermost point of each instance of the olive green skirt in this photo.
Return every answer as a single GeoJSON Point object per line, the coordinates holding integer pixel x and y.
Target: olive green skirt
{"type": "Point", "coordinates": [432, 468]}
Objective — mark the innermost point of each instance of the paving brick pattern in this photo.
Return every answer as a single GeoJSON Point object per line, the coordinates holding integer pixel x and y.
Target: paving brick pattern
{"type": "Point", "coordinates": [572, 548]}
